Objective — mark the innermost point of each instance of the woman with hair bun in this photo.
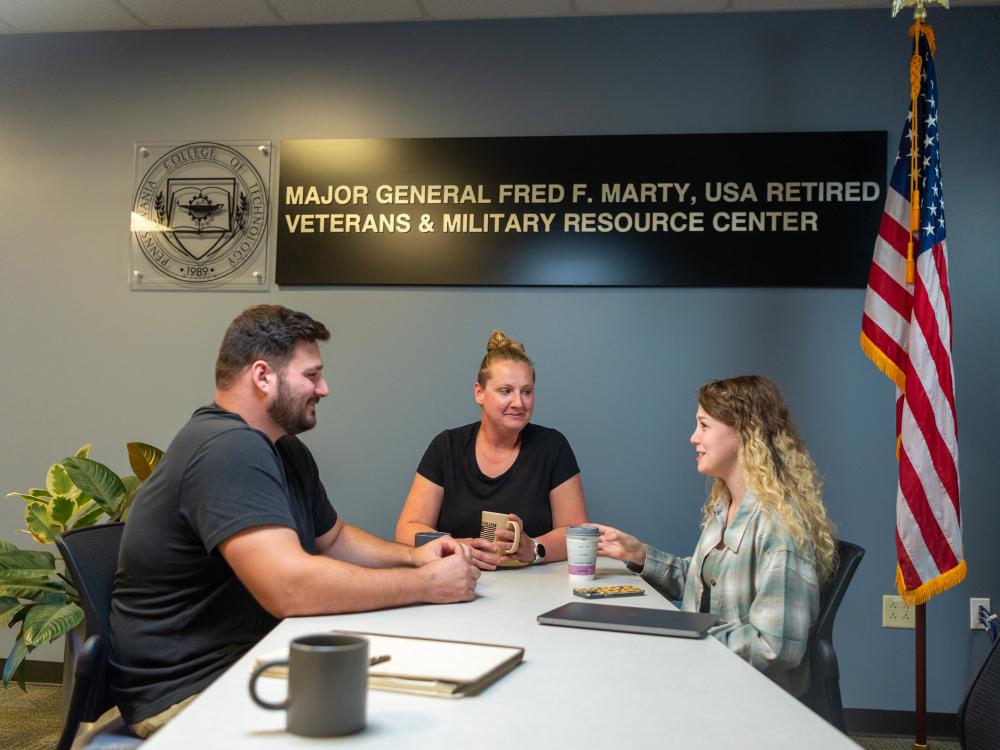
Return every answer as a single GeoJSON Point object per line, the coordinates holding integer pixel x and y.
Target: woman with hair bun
{"type": "Point", "coordinates": [766, 544]}
{"type": "Point", "coordinates": [502, 463]}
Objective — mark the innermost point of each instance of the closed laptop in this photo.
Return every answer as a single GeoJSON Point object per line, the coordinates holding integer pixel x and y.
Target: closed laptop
{"type": "Point", "coordinates": [630, 619]}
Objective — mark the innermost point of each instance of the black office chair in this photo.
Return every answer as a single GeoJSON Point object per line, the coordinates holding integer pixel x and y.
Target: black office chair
{"type": "Point", "coordinates": [823, 696]}
{"type": "Point", "coordinates": [91, 557]}
{"type": "Point", "coordinates": [978, 728]}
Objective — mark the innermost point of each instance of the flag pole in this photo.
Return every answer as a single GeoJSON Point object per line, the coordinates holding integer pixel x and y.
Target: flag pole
{"type": "Point", "coordinates": [920, 641]}
{"type": "Point", "coordinates": [918, 28]}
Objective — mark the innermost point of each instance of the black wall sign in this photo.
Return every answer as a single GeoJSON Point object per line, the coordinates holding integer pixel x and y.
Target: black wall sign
{"type": "Point", "coordinates": [766, 209]}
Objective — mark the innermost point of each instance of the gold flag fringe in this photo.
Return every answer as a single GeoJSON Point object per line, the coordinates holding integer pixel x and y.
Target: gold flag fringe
{"type": "Point", "coordinates": [923, 593]}
{"type": "Point", "coordinates": [879, 358]}
{"type": "Point", "coordinates": [889, 369]}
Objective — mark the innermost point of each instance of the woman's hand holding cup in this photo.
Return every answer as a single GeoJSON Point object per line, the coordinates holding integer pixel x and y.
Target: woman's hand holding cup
{"type": "Point", "coordinates": [619, 546]}
{"type": "Point", "coordinates": [505, 540]}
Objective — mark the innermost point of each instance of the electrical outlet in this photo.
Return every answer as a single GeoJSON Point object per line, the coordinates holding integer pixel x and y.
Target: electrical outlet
{"type": "Point", "coordinates": [974, 605]}
{"type": "Point", "coordinates": [895, 614]}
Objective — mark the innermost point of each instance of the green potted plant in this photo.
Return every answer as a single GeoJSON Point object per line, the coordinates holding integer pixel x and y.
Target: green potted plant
{"type": "Point", "coordinates": [36, 595]}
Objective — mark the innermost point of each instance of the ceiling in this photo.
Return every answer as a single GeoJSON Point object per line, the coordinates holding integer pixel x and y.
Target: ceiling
{"type": "Point", "coordinates": [43, 16]}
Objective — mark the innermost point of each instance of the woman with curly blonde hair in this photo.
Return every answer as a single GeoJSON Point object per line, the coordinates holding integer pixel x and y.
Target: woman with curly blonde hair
{"type": "Point", "coordinates": [767, 543]}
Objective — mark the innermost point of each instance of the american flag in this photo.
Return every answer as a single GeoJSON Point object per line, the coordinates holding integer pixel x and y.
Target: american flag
{"type": "Point", "coordinates": [906, 332]}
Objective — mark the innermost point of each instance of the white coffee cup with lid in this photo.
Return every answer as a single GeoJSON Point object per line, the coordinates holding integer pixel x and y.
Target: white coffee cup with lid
{"type": "Point", "coordinates": [581, 552]}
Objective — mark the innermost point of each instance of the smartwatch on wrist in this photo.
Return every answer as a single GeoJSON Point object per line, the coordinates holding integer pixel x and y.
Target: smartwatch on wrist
{"type": "Point", "coordinates": [539, 552]}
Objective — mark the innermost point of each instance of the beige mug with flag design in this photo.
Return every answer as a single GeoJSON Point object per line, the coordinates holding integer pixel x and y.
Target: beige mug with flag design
{"type": "Point", "coordinates": [492, 521]}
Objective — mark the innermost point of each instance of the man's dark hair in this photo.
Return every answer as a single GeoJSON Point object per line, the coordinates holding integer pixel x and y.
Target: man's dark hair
{"type": "Point", "coordinates": [267, 332]}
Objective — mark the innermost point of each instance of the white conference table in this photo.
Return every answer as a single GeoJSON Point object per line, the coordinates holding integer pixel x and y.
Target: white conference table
{"type": "Point", "coordinates": [575, 689]}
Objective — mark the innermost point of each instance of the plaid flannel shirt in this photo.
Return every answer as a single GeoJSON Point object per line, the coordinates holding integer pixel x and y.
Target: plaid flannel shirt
{"type": "Point", "coordinates": [766, 593]}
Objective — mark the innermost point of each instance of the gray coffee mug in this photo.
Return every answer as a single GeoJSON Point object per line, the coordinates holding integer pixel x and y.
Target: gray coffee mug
{"type": "Point", "coordinates": [327, 685]}
{"type": "Point", "coordinates": [422, 537]}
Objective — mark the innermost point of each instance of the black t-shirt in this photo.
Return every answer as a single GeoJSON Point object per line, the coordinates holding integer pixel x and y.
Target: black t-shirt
{"type": "Point", "coordinates": [179, 615]}
{"type": "Point", "coordinates": [544, 462]}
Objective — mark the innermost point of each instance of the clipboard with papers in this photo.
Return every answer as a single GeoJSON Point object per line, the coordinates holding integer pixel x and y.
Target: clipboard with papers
{"type": "Point", "coordinates": [428, 666]}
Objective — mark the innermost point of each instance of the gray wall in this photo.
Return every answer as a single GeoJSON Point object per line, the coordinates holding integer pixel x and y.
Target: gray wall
{"type": "Point", "coordinates": [86, 360]}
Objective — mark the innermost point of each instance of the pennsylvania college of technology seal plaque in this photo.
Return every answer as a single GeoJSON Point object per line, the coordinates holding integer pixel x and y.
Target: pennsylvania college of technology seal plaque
{"type": "Point", "coordinates": [199, 216]}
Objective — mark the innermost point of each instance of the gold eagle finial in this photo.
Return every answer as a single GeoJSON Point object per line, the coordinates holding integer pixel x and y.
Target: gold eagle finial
{"type": "Point", "coordinates": [919, 7]}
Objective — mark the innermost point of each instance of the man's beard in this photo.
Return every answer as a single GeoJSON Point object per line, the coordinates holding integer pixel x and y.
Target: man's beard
{"type": "Point", "coordinates": [290, 413]}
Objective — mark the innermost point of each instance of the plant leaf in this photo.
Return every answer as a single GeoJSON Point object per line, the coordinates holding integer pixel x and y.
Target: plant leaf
{"type": "Point", "coordinates": [84, 451]}
{"type": "Point", "coordinates": [71, 594]}
{"type": "Point", "coordinates": [59, 598]}
{"type": "Point", "coordinates": [39, 523]}
{"type": "Point", "coordinates": [9, 607]}
{"type": "Point", "coordinates": [62, 510]}
{"type": "Point", "coordinates": [38, 492]}
{"type": "Point", "coordinates": [28, 576]}
{"type": "Point", "coordinates": [6, 546]}
{"type": "Point", "coordinates": [97, 480]}
{"type": "Point", "coordinates": [57, 481]}
{"type": "Point", "coordinates": [32, 590]}
{"type": "Point", "coordinates": [26, 566]}
{"type": "Point", "coordinates": [20, 578]}
{"type": "Point", "coordinates": [132, 485]}
{"type": "Point", "coordinates": [46, 498]}
{"type": "Point", "coordinates": [91, 514]}
{"type": "Point", "coordinates": [20, 615]}
{"type": "Point", "coordinates": [28, 559]}
{"type": "Point", "coordinates": [46, 622]}
{"type": "Point", "coordinates": [14, 661]}
{"type": "Point", "coordinates": [143, 458]}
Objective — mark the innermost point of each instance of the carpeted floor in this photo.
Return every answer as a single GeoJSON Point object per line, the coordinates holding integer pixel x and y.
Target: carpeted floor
{"type": "Point", "coordinates": [902, 743]}
{"type": "Point", "coordinates": [32, 720]}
